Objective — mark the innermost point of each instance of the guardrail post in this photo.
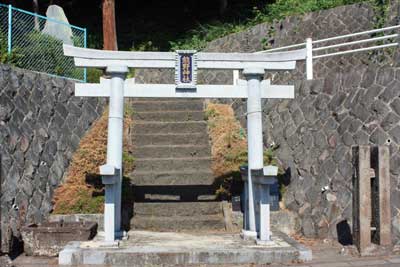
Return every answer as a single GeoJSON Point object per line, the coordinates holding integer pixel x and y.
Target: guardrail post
{"type": "Point", "coordinates": [309, 59]}
{"type": "Point", "coordinates": [235, 77]}
{"type": "Point", "coordinates": [9, 44]}
{"type": "Point", "coordinates": [85, 45]}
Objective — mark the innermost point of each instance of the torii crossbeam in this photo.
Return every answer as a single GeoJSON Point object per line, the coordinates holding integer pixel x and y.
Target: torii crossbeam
{"type": "Point", "coordinates": [186, 63]}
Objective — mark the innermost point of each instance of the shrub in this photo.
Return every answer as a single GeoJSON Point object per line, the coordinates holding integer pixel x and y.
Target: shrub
{"type": "Point", "coordinates": [44, 53]}
{"type": "Point", "coordinates": [5, 57]}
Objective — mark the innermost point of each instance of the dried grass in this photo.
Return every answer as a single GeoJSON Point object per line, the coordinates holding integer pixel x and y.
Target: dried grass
{"type": "Point", "coordinates": [82, 191]}
{"type": "Point", "coordinates": [229, 145]}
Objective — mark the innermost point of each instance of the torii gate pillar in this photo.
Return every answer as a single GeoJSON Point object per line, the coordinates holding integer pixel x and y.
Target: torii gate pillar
{"type": "Point", "coordinates": [254, 139]}
{"type": "Point", "coordinates": [112, 171]}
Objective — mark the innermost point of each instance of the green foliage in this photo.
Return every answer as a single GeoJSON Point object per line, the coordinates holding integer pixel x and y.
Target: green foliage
{"type": "Point", "coordinates": [85, 204]}
{"type": "Point", "coordinates": [279, 9]}
{"type": "Point", "coordinates": [283, 8]}
{"type": "Point", "coordinates": [93, 75]}
{"type": "Point", "coordinates": [198, 38]}
{"type": "Point", "coordinates": [5, 57]}
{"type": "Point", "coordinates": [94, 41]}
{"type": "Point", "coordinates": [145, 46]}
{"type": "Point", "coordinates": [381, 10]}
{"type": "Point", "coordinates": [128, 111]}
{"type": "Point", "coordinates": [128, 160]}
{"type": "Point", "coordinates": [210, 113]}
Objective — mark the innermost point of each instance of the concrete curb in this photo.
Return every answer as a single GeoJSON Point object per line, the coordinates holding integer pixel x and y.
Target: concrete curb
{"type": "Point", "coordinates": [144, 255]}
{"type": "Point", "coordinates": [305, 254]}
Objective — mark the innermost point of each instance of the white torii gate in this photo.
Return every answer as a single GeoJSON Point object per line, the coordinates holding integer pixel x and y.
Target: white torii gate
{"type": "Point", "coordinates": [186, 63]}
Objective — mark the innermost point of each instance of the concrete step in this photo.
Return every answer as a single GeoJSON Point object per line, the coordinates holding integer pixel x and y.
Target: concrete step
{"type": "Point", "coordinates": [169, 116]}
{"type": "Point", "coordinates": [169, 127]}
{"type": "Point", "coordinates": [179, 223]}
{"type": "Point", "coordinates": [177, 208]}
{"type": "Point", "coordinates": [173, 164]}
{"type": "Point", "coordinates": [170, 139]}
{"type": "Point", "coordinates": [174, 151]}
{"type": "Point", "coordinates": [172, 105]}
{"type": "Point", "coordinates": [173, 178]}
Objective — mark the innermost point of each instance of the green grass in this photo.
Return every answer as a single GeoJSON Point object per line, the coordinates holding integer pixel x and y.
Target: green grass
{"type": "Point", "coordinates": [85, 204]}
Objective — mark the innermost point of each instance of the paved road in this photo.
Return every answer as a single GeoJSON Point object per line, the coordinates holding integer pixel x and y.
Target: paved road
{"type": "Point", "coordinates": [393, 261]}
{"type": "Point", "coordinates": [324, 255]}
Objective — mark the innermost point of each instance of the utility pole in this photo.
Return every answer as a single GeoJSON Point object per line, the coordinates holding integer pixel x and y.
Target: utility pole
{"type": "Point", "coordinates": [109, 27]}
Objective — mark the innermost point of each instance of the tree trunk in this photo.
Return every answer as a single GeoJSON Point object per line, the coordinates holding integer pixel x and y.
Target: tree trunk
{"type": "Point", "coordinates": [223, 6]}
{"type": "Point", "coordinates": [109, 27]}
{"type": "Point", "coordinates": [36, 10]}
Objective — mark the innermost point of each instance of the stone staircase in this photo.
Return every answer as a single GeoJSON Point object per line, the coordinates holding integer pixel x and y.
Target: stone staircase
{"type": "Point", "coordinates": [174, 187]}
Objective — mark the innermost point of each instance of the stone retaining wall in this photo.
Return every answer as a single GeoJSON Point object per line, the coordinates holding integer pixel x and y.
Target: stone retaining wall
{"type": "Point", "coordinates": [315, 132]}
{"type": "Point", "coordinates": [41, 124]}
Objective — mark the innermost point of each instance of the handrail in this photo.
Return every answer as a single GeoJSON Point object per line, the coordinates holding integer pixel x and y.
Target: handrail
{"type": "Point", "coordinates": [310, 49]}
{"type": "Point", "coordinates": [331, 39]}
{"type": "Point", "coordinates": [356, 42]}
{"type": "Point", "coordinates": [357, 50]}
{"type": "Point", "coordinates": [357, 34]}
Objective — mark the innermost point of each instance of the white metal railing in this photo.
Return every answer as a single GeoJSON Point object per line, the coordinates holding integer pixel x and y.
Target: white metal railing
{"type": "Point", "coordinates": [311, 49]}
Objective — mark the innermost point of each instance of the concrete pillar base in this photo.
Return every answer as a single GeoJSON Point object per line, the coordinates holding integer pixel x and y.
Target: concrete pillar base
{"type": "Point", "coordinates": [248, 235]}
{"type": "Point", "coordinates": [264, 242]}
{"type": "Point", "coordinates": [121, 235]}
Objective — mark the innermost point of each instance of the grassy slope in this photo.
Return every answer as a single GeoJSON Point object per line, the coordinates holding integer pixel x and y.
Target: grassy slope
{"type": "Point", "coordinates": [199, 37]}
{"type": "Point", "coordinates": [82, 191]}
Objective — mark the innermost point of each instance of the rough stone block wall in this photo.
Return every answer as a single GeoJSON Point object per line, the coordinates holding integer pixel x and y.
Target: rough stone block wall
{"type": "Point", "coordinates": [41, 124]}
{"type": "Point", "coordinates": [315, 134]}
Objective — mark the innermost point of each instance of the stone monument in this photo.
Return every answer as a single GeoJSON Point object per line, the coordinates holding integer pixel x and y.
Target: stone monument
{"type": "Point", "coordinates": [57, 25]}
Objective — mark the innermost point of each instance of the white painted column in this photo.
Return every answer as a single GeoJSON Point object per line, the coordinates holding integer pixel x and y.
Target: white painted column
{"type": "Point", "coordinates": [235, 77]}
{"type": "Point", "coordinates": [109, 213]}
{"type": "Point", "coordinates": [254, 138]}
{"type": "Point", "coordinates": [114, 150]}
{"type": "Point", "coordinates": [265, 227]}
{"type": "Point", "coordinates": [309, 59]}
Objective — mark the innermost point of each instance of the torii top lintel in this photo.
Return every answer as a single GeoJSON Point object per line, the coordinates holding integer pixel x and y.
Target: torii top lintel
{"type": "Point", "coordinates": [102, 59]}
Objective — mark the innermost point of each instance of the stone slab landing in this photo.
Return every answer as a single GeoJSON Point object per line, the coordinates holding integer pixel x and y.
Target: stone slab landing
{"type": "Point", "coordinates": [145, 248]}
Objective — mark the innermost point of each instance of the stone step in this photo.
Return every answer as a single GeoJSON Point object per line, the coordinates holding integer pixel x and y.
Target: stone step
{"type": "Point", "coordinates": [173, 178]}
{"type": "Point", "coordinates": [174, 151]}
{"type": "Point", "coordinates": [176, 193]}
{"type": "Point", "coordinates": [172, 105]}
{"type": "Point", "coordinates": [162, 99]}
{"type": "Point", "coordinates": [169, 116]}
{"type": "Point", "coordinates": [169, 127]}
{"type": "Point", "coordinates": [173, 164]}
{"type": "Point", "coordinates": [177, 208]}
{"type": "Point", "coordinates": [179, 223]}
{"type": "Point", "coordinates": [170, 139]}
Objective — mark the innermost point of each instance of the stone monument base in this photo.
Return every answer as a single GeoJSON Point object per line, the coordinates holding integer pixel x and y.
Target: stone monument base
{"type": "Point", "coordinates": [144, 248]}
